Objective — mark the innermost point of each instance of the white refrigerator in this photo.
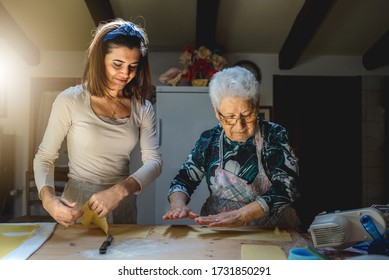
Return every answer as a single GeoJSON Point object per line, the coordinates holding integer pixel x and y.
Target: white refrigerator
{"type": "Point", "coordinates": [183, 113]}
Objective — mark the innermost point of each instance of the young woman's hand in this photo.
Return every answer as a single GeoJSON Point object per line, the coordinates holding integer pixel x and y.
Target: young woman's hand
{"type": "Point", "coordinates": [61, 209]}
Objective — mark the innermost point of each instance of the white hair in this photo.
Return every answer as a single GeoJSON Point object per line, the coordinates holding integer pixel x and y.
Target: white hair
{"type": "Point", "coordinates": [234, 82]}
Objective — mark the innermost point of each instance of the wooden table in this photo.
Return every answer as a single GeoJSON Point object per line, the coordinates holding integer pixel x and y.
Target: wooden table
{"type": "Point", "coordinates": [78, 242]}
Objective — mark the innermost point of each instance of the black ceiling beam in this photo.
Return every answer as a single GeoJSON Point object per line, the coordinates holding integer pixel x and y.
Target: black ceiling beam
{"type": "Point", "coordinates": [206, 18]}
{"type": "Point", "coordinates": [100, 10]}
{"type": "Point", "coordinates": [378, 54]}
{"type": "Point", "coordinates": [18, 40]}
{"type": "Point", "coordinates": [304, 27]}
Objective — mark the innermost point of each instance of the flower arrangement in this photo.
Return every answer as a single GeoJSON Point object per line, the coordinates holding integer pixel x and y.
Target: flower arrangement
{"type": "Point", "coordinates": [199, 63]}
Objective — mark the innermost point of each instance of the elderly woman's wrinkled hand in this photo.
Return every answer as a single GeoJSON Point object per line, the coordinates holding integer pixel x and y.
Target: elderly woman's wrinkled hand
{"type": "Point", "coordinates": [225, 219]}
{"type": "Point", "coordinates": [179, 212]}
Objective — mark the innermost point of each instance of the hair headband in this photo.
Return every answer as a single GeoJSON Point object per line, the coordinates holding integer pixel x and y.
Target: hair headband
{"type": "Point", "coordinates": [128, 29]}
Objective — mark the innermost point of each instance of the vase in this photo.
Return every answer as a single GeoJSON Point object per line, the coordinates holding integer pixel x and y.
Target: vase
{"type": "Point", "coordinates": [200, 82]}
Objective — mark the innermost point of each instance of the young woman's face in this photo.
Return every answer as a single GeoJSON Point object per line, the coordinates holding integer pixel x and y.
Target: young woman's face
{"type": "Point", "coordinates": [121, 64]}
{"type": "Point", "coordinates": [237, 117]}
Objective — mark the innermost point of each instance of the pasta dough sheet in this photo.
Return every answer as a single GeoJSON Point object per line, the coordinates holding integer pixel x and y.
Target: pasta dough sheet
{"type": "Point", "coordinates": [5, 228]}
{"type": "Point", "coordinates": [132, 232]}
{"type": "Point", "coordinates": [18, 241]}
{"type": "Point", "coordinates": [11, 242]}
{"type": "Point", "coordinates": [90, 216]}
{"type": "Point", "coordinates": [222, 233]}
{"type": "Point", "coordinates": [262, 252]}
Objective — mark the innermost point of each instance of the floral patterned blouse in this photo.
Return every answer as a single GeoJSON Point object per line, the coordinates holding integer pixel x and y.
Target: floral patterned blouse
{"type": "Point", "coordinates": [278, 160]}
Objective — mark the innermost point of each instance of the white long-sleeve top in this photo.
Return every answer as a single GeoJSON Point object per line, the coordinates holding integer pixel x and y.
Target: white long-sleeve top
{"type": "Point", "coordinates": [98, 152]}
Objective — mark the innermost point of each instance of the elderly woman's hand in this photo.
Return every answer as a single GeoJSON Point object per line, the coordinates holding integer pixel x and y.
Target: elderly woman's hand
{"type": "Point", "coordinates": [178, 208]}
{"type": "Point", "coordinates": [179, 212]}
{"type": "Point", "coordinates": [236, 218]}
{"type": "Point", "coordinates": [226, 219]}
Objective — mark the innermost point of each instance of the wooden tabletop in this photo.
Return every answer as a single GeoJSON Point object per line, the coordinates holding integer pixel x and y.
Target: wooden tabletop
{"type": "Point", "coordinates": [78, 242]}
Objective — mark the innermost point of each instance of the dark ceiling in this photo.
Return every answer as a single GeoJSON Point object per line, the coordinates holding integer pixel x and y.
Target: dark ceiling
{"type": "Point", "coordinates": [290, 28]}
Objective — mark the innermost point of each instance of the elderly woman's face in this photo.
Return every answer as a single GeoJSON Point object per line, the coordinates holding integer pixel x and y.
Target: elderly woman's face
{"type": "Point", "coordinates": [237, 117]}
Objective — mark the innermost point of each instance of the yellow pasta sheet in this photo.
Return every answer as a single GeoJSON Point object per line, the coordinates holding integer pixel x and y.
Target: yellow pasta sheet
{"type": "Point", "coordinates": [131, 231]}
{"type": "Point", "coordinates": [90, 217]}
{"type": "Point", "coordinates": [20, 240]}
{"type": "Point", "coordinates": [223, 233]}
{"type": "Point", "coordinates": [262, 252]}
{"type": "Point", "coordinates": [10, 243]}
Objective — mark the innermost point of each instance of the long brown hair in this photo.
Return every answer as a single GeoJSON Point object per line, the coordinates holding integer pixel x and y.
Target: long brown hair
{"type": "Point", "coordinates": [95, 79]}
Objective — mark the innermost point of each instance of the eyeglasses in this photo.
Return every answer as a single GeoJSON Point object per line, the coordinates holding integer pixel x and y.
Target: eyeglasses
{"type": "Point", "coordinates": [252, 117]}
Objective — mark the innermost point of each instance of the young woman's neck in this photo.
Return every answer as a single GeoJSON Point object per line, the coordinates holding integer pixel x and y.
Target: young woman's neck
{"type": "Point", "coordinates": [114, 94]}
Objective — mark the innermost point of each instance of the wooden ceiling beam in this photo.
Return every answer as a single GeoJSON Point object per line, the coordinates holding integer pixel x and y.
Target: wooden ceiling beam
{"type": "Point", "coordinates": [304, 27]}
{"type": "Point", "coordinates": [100, 10]}
{"type": "Point", "coordinates": [378, 54]}
{"type": "Point", "coordinates": [18, 40]}
{"type": "Point", "coordinates": [206, 18]}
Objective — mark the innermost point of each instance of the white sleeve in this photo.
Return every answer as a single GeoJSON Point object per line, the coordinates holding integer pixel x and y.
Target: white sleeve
{"type": "Point", "coordinates": [151, 156]}
{"type": "Point", "coordinates": [57, 128]}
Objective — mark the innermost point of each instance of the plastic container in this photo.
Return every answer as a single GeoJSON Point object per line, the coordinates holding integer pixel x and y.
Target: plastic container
{"type": "Point", "coordinates": [301, 254]}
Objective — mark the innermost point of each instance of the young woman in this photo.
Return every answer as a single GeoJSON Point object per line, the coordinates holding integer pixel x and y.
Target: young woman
{"type": "Point", "coordinates": [102, 119]}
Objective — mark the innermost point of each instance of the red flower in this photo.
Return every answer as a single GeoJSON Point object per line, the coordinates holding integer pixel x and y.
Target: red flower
{"type": "Point", "coordinates": [201, 68]}
{"type": "Point", "coordinates": [189, 49]}
{"type": "Point", "coordinates": [198, 63]}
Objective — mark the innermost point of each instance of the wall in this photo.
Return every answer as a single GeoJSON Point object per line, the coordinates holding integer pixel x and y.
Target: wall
{"type": "Point", "coordinates": [70, 64]}
{"type": "Point", "coordinates": [17, 78]}
{"type": "Point", "coordinates": [373, 130]}
{"type": "Point", "coordinates": [7, 157]}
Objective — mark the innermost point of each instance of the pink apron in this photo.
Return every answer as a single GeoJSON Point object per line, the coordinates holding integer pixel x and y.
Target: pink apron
{"type": "Point", "coordinates": [230, 192]}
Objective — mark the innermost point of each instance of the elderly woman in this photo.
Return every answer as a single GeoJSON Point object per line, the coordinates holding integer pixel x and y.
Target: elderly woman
{"type": "Point", "coordinates": [249, 167]}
